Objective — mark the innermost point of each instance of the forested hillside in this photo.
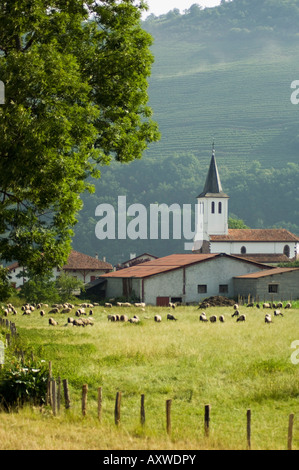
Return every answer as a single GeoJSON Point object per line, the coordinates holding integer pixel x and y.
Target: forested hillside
{"type": "Point", "coordinates": [221, 74]}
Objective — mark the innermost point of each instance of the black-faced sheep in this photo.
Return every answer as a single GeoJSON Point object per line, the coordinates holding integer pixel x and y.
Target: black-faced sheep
{"type": "Point", "coordinates": [202, 317]}
{"type": "Point", "coordinates": [278, 313]}
{"type": "Point", "coordinates": [236, 313]}
{"type": "Point", "coordinates": [288, 305]}
{"type": "Point", "coordinates": [42, 313]}
{"type": "Point", "coordinates": [124, 318]}
{"type": "Point", "coordinates": [213, 319]}
{"type": "Point", "coordinates": [241, 318]}
{"type": "Point", "coordinates": [53, 322]}
{"type": "Point", "coordinates": [171, 317]}
{"type": "Point", "coordinates": [158, 318]}
{"type": "Point", "coordinates": [268, 318]}
{"type": "Point", "coordinates": [266, 305]}
{"type": "Point", "coordinates": [221, 319]}
{"type": "Point", "coordinates": [172, 305]}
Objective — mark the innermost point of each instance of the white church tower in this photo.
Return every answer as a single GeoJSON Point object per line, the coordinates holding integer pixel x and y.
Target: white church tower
{"type": "Point", "coordinates": [212, 210]}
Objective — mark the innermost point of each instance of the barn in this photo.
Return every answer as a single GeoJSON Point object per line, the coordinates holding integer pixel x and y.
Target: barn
{"type": "Point", "coordinates": [274, 284]}
{"type": "Point", "coordinates": [185, 278]}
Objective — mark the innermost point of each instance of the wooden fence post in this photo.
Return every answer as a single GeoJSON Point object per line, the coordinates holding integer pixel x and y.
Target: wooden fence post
{"type": "Point", "coordinates": [48, 397]}
{"type": "Point", "coordinates": [66, 394]}
{"type": "Point", "coordinates": [117, 408]}
{"type": "Point", "coordinates": [58, 393]}
{"type": "Point", "coordinates": [207, 420]}
{"type": "Point", "coordinates": [249, 429]}
{"type": "Point", "coordinates": [168, 416]}
{"type": "Point", "coordinates": [84, 399]}
{"type": "Point", "coordinates": [142, 411]}
{"type": "Point", "coordinates": [100, 403]}
{"type": "Point", "coordinates": [290, 431]}
{"type": "Point", "coordinates": [53, 396]}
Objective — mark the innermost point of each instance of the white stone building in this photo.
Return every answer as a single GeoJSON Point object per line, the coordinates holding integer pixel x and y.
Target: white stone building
{"type": "Point", "coordinates": [183, 278]}
{"type": "Point", "coordinates": [214, 236]}
{"type": "Point", "coordinates": [82, 267]}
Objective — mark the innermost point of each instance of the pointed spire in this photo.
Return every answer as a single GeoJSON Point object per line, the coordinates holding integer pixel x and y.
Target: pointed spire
{"type": "Point", "coordinates": [213, 185]}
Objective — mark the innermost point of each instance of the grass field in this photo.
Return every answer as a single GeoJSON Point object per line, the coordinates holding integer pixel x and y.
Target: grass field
{"type": "Point", "coordinates": [231, 366]}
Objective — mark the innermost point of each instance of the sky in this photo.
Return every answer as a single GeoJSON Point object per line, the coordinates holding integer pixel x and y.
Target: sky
{"type": "Point", "coordinates": [159, 7]}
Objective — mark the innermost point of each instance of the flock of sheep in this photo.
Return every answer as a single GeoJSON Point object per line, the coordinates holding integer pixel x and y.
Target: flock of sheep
{"type": "Point", "coordinates": [83, 310]}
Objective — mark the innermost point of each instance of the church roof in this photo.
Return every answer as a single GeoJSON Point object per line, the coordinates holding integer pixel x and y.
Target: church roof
{"type": "Point", "coordinates": [256, 235]}
{"type": "Point", "coordinates": [213, 187]}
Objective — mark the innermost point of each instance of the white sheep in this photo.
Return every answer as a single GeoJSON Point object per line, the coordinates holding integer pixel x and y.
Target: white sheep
{"type": "Point", "coordinates": [277, 313]}
{"type": "Point", "coordinates": [268, 318]}
{"type": "Point", "coordinates": [202, 317]}
{"type": "Point", "coordinates": [108, 305]}
{"type": "Point", "coordinates": [124, 318]}
{"type": "Point", "coordinates": [158, 318]}
{"type": "Point", "coordinates": [53, 322]}
{"type": "Point", "coordinates": [266, 305]}
{"type": "Point", "coordinates": [288, 305]}
{"type": "Point", "coordinates": [221, 318]}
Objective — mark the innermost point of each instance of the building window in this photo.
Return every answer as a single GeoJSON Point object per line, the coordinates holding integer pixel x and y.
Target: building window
{"type": "Point", "coordinates": [223, 289]}
{"type": "Point", "coordinates": [202, 289]}
{"type": "Point", "coordinates": [286, 251]}
{"type": "Point", "coordinates": [243, 250]}
{"type": "Point", "coordinates": [220, 207]}
{"type": "Point", "coordinates": [213, 207]}
{"type": "Point", "coordinates": [273, 288]}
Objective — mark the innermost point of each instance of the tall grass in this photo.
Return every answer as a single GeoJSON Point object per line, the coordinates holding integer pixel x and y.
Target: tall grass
{"type": "Point", "coordinates": [231, 366]}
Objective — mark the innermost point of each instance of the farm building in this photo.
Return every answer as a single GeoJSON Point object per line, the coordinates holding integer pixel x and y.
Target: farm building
{"type": "Point", "coordinates": [81, 266]}
{"type": "Point", "coordinates": [183, 278]}
{"type": "Point", "coordinates": [136, 260]}
{"type": "Point", "coordinates": [214, 236]}
{"type": "Point", "coordinates": [274, 284]}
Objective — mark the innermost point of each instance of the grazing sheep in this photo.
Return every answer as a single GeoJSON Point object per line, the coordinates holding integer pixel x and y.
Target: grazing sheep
{"type": "Point", "coordinates": [241, 318]}
{"type": "Point", "coordinates": [27, 312]}
{"type": "Point", "coordinates": [70, 320]}
{"type": "Point", "coordinates": [266, 305]}
{"type": "Point", "coordinates": [53, 322]}
{"type": "Point", "coordinates": [172, 305]}
{"type": "Point", "coordinates": [251, 304]}
{"type": "Point", "coordinates": [90, 312]}
{"type": "Point", "coordinates": [171, 317]}
{"type": "Point", "coordinates": [140, 304]}
{"type": "Point", "coordinates": [54, 310]}
{"type": "Point", "coordinates": [202, 317]}
{"type": "Point", "coordinates": [66, 310]}
{"type": "Point", "coordinates": [78, 322]}
{"type": "Point", "coordinates": [124, 318]}
{"type": "Point", "coordinates": [279, 305]}
{"type": "Point", "coordinates": [236, 307]}
{"type": "Point", "coordinates": [134, 320]}
{"type": "Point", "coordinates": [42, 313]}
{"type": "Point", "coordinates": [213, 319]}
{"type": "Point", "coordinates": [277, 313]}
{"type": "Point", "coordinates": [158, 318]}
{"type": "Point", "coordinates": [268, 318]}
{"type": "Point", "coordinates": [236, 313]}
{"type": "Point", "coordinates": [221, 319]}
{"type": "Point", "coordinates": [258, 306]}
{"type": "Point", "coordinates": [288, 305]}
{"type": "Point", "coordinates": [108, 305]}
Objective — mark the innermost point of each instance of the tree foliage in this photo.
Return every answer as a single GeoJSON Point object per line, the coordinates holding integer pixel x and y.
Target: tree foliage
{"type": "Point", "coordinates": [75, 76]}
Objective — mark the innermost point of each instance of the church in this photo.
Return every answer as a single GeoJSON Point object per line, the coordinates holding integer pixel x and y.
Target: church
{"type": "Point", "coordinates": [269, 246]}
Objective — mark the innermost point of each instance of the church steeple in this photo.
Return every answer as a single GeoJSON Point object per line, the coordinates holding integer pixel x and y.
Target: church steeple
{"type": "Point", "coordinates": [213, 185]}
{"type": "Point", "coordinates": [212, 209]}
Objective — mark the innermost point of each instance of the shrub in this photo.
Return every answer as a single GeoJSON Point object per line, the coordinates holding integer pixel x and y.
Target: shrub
{"type": "Point", "coordinates": [20, 384]}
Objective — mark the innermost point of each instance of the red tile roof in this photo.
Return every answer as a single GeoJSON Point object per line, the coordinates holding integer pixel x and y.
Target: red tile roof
{"type": "Point", "coordinates": [256, 235]}
{"type": "Point", "coordinates": [79, 261]}
{"type": "Point", "coordinates": [270, 272]}
{"type": "Point", "coordinates": [169, 263]}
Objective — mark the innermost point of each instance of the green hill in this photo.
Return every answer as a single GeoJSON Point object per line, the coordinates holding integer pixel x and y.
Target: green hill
{"type": "Point", "coordinates": [221, 74]}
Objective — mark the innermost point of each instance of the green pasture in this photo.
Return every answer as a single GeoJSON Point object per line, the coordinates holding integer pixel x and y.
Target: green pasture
{"type": "Point", "coordinates": [231, 366]}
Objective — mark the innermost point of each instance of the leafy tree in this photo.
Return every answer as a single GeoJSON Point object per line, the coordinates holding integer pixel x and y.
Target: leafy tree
{"type": "Point", "coordinates": [66, 285]}
{"type": "Point", "coordinates": [5, 286]}
{"type": "Point", "coordinates": [75, 76]}
{"type": "Point", "coordinates": [39, 288]}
